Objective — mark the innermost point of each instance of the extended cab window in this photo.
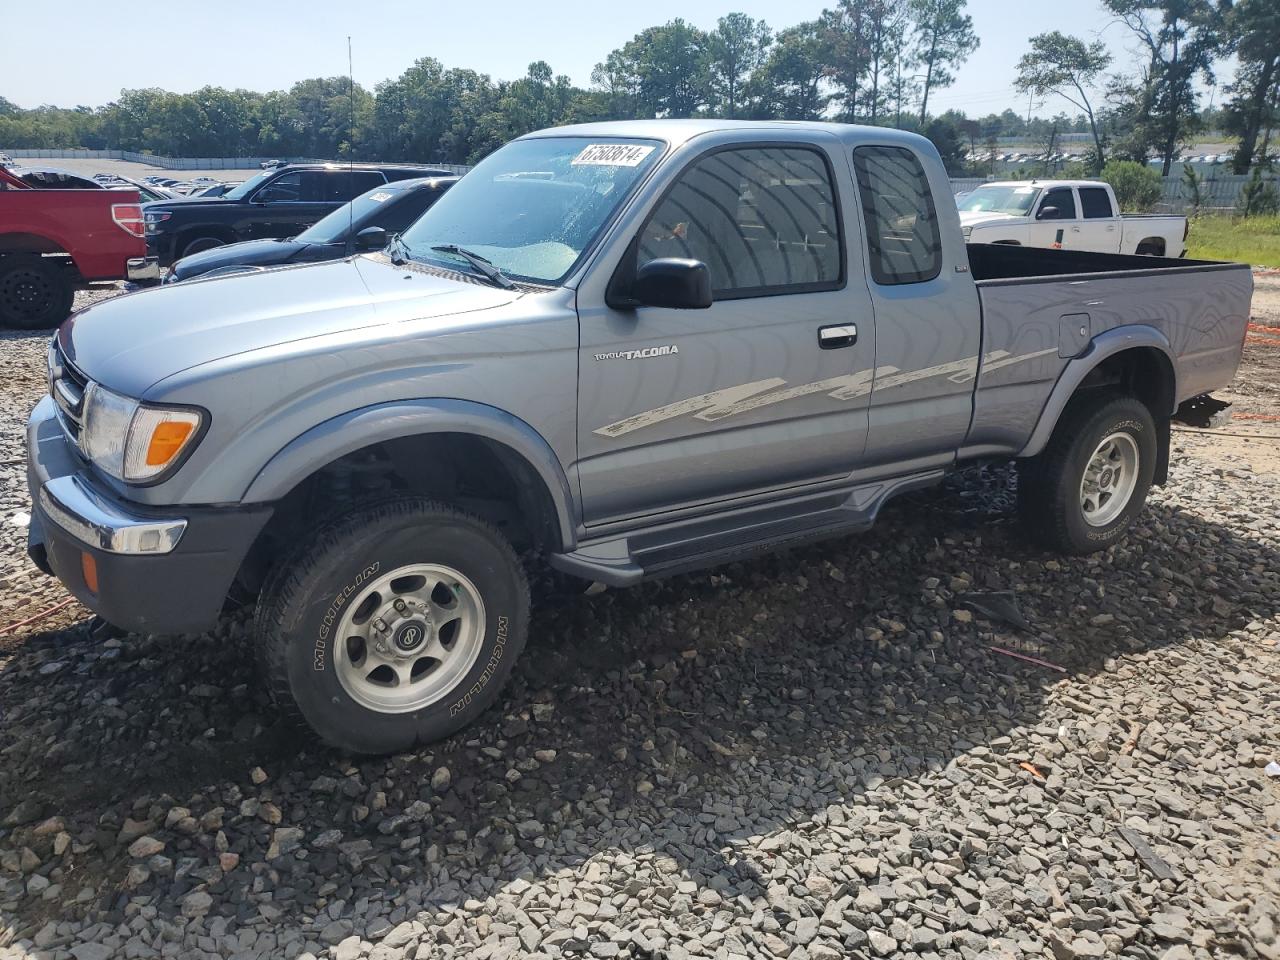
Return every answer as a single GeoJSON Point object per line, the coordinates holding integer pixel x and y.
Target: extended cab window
{"type": "Point", "coordinates": [762, 219]}
{"type": "Point", "coordinates": [285, 188]}
{"type": "Point", "coordinates": [339, 186]}
{"type": "Point", "coordinates": [903, 239]}
{"type": "Point", "coordinates": [1063, 200]}
{"type": "Point", "coordinates": [1096, 203]}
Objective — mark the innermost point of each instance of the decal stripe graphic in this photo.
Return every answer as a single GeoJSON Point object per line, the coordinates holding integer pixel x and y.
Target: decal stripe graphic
{"type": "Point", "coordinates": [744, 398]}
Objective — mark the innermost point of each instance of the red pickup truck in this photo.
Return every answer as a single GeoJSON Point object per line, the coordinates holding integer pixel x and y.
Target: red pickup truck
{"type": "Point", "coordinates": [55, 241]}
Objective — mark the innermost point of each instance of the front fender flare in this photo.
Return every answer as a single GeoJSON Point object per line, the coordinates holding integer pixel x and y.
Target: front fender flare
{"type": "Point", "coordinates": [328, 441]}
{"type": "Point", "coordinates": [1104, 345]}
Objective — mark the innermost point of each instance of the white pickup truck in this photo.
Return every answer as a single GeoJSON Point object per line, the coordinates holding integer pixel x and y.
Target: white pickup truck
{"type": "Point", "coordinates": [1066, 215]}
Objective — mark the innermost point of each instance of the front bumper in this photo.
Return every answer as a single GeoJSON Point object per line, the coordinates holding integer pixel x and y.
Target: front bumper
{"type": "Point", "coordinates": [157, 570]}
{"type": "Point", "coordinates": [142, 268]}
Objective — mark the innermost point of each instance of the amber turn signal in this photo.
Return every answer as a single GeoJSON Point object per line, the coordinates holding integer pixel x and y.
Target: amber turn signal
{"type": "Point", "coordinates": [166, 440]}
{"type": "Point", "coordinates": [89, 570]}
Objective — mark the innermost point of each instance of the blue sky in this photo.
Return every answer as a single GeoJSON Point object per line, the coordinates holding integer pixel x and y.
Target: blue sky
{"type": "Point", "coordinates": [69, 60]}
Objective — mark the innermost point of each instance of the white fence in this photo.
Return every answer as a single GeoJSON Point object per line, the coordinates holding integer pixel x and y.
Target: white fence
{"type": "Point", "coordinates": [180, 163]}
{"type": "Point", "coordinates": [1218, 194]}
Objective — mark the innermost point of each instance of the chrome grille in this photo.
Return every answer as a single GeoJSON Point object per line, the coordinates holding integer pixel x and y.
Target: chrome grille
{"type": "Point", "coordinates": [67, 386]}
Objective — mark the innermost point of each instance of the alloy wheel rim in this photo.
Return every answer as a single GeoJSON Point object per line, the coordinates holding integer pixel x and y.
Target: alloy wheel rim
{"type": "Point", "coordinates": [409, 638]}
{"type": "Point", "coordinates": [1109, 479]}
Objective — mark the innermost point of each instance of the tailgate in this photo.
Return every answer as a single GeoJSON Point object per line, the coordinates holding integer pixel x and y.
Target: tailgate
{"type": "Point", "coordinates": [82, 223]}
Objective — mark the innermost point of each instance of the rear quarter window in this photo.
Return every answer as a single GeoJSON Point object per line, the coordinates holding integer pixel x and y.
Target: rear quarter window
{"type": "Point", "coordinates": [903, 240]}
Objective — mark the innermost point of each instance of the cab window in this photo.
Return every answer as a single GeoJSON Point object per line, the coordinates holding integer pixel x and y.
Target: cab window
{"type": "Point", "coordinates": [903, 240]}
{"type": "Point", "coordinates": [285, 188]}
{"type": "Point", "coordinates": [763, 220]}
{"type": "Point", "coordinates": [1063, 199]}
{"type": "Point", "coordinates": [1096, 203]}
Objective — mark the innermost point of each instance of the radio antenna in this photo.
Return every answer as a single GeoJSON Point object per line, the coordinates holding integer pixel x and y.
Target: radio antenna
{"type": "Point", "coordinates": [351, 144]}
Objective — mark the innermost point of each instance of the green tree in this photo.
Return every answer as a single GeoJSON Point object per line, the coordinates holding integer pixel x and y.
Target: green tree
{"type": "Point", "coordinates": [666, 66]}
{"type": "Point", "coordinates": [735, 50]}
{"type": "Point", "coordinates": [1258, 198]}
{"type": "Point", "coordinates": [945, 136]}
{"type": "Point", "coordinates": [1067, 67]}
{"type": "Point", "coordinates": [794, 72]}
{"type": "Point", "coordinates": [617, 78]}
{"type": "Point", "coordinates": [1136, 185]}
{"type": "Point", "coordinates": [1253, 27]}
{"type": "Point", "coordinates": [846, 51]}
{"type": "Point", "coordinates": [1180, 39]}
{"type": "Point", "coordinates": [944, 40]}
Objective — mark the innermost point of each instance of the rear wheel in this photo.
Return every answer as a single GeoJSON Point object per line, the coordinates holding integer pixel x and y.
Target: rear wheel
{"type": "Point", "coordinates": [395, 626]}
{"type": "Point", "coordinates": [201, 244]}
{"type": "Point", "coordinates": [1084, 490]}
{"type": "Point", "coordinates": [35, 292]}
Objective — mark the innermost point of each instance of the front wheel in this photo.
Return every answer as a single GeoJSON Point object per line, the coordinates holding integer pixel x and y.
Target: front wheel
{"type": "Point", "coordinates": [395, 626]}
{"type": "Point", "coordinates": [1084, 490]}
{"type": "Point", "coordinates": [35, 292]}
{"type": "Point", "coordinates": [201, 244]}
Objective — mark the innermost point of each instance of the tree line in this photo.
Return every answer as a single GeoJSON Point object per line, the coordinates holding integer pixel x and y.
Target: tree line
{"type": "Point", "coordinates": [863, 61]}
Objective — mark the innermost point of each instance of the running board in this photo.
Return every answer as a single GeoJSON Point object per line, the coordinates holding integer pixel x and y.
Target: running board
{"type": "Point", "coordinates": [675, 547]}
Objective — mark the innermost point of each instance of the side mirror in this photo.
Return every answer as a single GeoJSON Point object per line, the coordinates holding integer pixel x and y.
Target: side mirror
{"type": "Point", "coordinates": [371, 238]}
{"type": "Point", "coordinates": [1048, 213]}
{"type": "Point", "coordinates": [673, 282]}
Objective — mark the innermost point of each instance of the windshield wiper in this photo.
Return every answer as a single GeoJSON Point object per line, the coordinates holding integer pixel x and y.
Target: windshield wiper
{"type": "Point", "coordinates": [398, 252]}
{"type": "Point", "coordinates": [483, 266]}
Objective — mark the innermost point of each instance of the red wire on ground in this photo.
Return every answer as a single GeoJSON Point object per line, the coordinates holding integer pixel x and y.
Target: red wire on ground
{"type": "Point", "coordinates": [39, 616]}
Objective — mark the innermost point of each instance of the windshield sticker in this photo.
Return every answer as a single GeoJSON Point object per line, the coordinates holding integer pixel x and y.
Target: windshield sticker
{"type": "Point", "coordinates": [611, 155]}
{"type": "Point", "coordinates": [379, 197]}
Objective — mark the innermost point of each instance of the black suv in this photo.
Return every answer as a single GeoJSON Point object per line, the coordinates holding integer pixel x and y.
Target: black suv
{"type": "Point", "coordinates": [281, 202]}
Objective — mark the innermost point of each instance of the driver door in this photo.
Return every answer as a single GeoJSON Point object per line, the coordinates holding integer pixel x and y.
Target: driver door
{"type": "Point", "coordinates": [1054, 227]}
{"type": "Point", "coordinates": [681, 408]}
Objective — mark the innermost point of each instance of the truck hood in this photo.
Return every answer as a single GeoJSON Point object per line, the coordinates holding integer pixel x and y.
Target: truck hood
{"type": "Point", "coordinates": [978, 218]}
{"type": "Point", "coordinates": [130, 343]}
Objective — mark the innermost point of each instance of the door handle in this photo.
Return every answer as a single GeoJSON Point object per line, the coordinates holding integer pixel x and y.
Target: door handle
{"type": "Point", "coordinates": [838, 335]}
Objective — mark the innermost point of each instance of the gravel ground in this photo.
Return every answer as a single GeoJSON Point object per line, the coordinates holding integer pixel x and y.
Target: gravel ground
{"type": "Point", "coordinates": [817, 754]}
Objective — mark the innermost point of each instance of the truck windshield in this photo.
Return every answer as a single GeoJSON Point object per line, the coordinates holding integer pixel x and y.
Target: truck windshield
{"type": "Point", "coordinates": [246, 188]}
{"type": "Point", "coordinates": [333, 228]}
{"type": "Point", "coordinates": [533, 207]}
{"type": "Point", "coordinates": [1013, 200]}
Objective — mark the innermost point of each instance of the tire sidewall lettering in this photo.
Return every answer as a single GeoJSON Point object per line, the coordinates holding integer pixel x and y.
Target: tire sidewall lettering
{"type": "Point", "coordinates": [490, 668]}
{"type": "Point", "coordinates": [322, 645]}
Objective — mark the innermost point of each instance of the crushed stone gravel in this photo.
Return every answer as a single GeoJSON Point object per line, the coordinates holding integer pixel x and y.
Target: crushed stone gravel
{"type": "Point", "coordinates": [816, 754]}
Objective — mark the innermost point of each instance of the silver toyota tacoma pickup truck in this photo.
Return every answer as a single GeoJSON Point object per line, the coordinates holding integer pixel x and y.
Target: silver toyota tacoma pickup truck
{"type": "Point", "coordinates": [631, 349]}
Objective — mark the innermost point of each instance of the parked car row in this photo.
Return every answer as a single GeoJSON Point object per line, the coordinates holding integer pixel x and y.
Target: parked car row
{"type": "Point", "coordinates": [58, 236]}
{"type": "Point", "coordinates": [279, 202]}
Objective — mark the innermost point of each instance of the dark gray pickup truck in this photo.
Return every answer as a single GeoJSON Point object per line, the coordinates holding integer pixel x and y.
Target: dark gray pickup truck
{"type": "Point", "coordinates": [630, 348]}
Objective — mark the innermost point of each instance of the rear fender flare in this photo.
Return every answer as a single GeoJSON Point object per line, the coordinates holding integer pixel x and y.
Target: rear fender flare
{"type": "Point", "coordinates": [328, 441]}
{"type": "Point", "coordinates": [1107, 344]}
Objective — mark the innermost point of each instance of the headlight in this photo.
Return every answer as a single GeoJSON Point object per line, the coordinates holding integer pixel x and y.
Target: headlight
{"type": "Point", "coordinates": [130, 441]}
{"type": "Point", "coordinates": [152, 218]}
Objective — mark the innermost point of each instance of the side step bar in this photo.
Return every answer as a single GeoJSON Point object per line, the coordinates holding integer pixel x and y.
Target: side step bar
{"type": "Point", "coordinates": [669, 548]}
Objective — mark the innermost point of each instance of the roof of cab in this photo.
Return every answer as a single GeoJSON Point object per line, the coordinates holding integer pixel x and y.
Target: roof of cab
{"type": "Point", "coordinates": [678, 132]}
{"type": "Point", "coordinates": [1043, 182]}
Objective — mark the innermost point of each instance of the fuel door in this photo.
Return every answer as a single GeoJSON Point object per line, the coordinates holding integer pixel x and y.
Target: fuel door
{"type": "Point", "coordinates": [1074, 334]}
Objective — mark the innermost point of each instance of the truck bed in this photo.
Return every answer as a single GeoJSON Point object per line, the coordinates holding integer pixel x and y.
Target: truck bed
{"type": "Point", "coordinates": [993, 262]}
{"type": "Point", "coordinates": [1041, 308]}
